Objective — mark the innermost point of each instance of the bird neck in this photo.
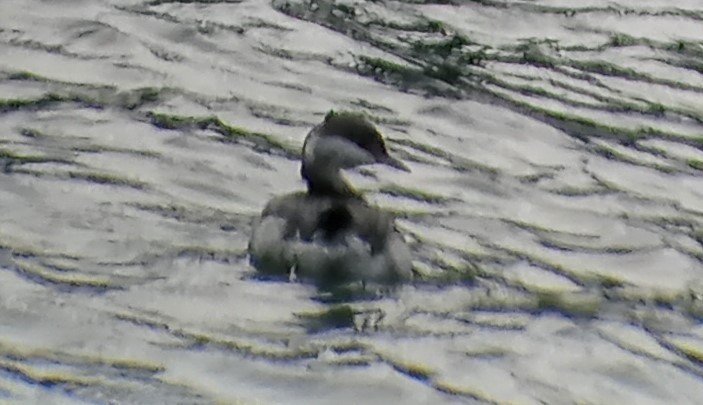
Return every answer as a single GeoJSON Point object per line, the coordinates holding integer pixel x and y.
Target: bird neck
{"type": "Point", "coordinates": [326, 180]}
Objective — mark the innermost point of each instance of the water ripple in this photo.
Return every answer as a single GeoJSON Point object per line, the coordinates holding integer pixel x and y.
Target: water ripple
{"type": "Point", "coordinates": [554, 208]}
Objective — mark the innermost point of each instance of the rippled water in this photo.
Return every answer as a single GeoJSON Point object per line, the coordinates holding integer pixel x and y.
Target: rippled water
{"type": "Point", "coordinates": [555, 204]}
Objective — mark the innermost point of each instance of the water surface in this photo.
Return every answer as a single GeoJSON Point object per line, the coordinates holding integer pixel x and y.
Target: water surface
{"type": "Point", "coordinates": [555, 204]}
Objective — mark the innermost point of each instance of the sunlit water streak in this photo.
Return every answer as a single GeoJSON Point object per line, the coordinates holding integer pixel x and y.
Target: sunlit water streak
{"type": "Point", "coordinates": [555, 204]}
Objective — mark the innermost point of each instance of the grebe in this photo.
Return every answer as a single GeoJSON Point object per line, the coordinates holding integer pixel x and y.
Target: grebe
{"type": "Point", "coordinates": [329, 233]}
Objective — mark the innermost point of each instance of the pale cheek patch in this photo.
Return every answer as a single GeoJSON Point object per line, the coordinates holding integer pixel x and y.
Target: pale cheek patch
{"type": "Point", "coordinates": [341, 153]}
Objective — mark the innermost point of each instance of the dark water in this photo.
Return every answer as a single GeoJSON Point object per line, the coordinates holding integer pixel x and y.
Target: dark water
{"type": "Point", "coordinates": [555, 204]}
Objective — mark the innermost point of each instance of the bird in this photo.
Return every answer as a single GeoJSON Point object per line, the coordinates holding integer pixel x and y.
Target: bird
{"type": "Point", "coordinates": [329, 233]}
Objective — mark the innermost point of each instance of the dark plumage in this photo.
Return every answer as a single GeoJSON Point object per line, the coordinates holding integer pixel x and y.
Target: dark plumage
{"type": "Point", "coordinates": [330, 229]}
